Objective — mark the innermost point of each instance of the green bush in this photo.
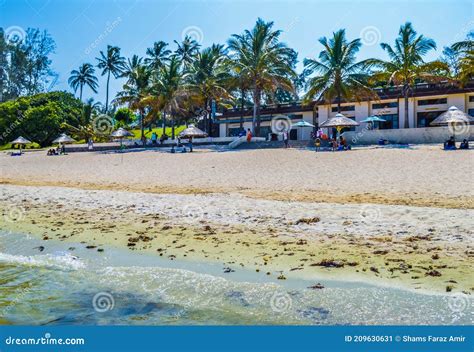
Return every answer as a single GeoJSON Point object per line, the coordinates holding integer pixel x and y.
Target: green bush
{"type": "Point", "coordinates": [38, 117]}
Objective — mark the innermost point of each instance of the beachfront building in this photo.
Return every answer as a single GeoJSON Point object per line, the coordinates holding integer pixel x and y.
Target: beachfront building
{"type": "Point", "coordinates": [426, 102]}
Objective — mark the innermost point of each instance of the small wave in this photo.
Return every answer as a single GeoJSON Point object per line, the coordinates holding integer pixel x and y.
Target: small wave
{"type": "Point", "coordinates": [64, 261]}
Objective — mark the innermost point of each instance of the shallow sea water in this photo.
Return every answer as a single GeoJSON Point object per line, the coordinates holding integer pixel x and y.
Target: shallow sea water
{"type": "Point", "coordinates": [119, 287]}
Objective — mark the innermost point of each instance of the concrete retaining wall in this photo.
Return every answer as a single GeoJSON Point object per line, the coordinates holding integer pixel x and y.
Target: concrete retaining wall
{"type": "Point", "coordinates": [410, 135]}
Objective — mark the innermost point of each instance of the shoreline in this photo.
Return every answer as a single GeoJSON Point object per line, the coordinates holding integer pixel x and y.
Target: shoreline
{"type": "Point", "coordinates": [308, 196]}
{"type": "Point", "coordinates": [265, 239]}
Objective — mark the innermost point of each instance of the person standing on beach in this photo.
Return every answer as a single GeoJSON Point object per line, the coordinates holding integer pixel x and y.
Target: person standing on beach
{"type": "Point", "coordinates": [317, 144]}
{"type": "Point", "coordinates": [285, 138]}
{"type": "Point", "coordinates": [249, 135]}
{"type": "Point", "coordinates": [90, 144]}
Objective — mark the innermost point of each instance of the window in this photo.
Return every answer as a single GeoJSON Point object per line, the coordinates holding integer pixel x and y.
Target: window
{"type": "Point", "coordinates": [392, 104]}
{"type": "Point", "coordinates": [265, 131]}
{"type": "Point", "coordinates": [471, 112]}
{"type": "Point", "coordinates": [424, 119]}
{"type": "Point", "coordinates": [432, 101]}
{"type": "Point", "coordinates": [234, 132]}
{"type": "Point", "coordinates": [391, 122]}
{"type": "Point", "coordinates": [344, 108]}
{"type": "Point", "coordinates": [471, 99]}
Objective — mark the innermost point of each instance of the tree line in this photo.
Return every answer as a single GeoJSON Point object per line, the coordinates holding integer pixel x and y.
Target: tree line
{"type": "Point", "coordinates": [252, 69]}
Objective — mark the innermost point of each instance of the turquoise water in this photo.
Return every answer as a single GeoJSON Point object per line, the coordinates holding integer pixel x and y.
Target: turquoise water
{"type": "Point", "coordinates": [65, 285]}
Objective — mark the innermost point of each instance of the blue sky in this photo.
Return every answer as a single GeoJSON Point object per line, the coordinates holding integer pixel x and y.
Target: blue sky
{"type": "Point", "coordinates": [81, 28]}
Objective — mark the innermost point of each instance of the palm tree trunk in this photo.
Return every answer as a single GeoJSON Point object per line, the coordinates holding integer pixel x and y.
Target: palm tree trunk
{"type": "Point", "coordinates": [257, 113]}
{"type": "Point", "coordinates": [241, 109]}
{"type": "Point", "coordinates": [142, 127]}
{"type": "Point", "coordinates": [80, 93]}
{"type": "Point", "coordinates": [107, 93]}
{"type": "Point", "coordinates": [172, 127]}
{"type": "Point", "coordinates": [406, 123]}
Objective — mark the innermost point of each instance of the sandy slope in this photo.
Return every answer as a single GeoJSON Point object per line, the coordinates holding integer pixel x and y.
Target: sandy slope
{"type": "Point", "coordinates": [421, 176]}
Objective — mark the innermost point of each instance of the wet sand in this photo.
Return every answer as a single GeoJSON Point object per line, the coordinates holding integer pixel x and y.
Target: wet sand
{"type": "Point", "coordinates": [418, 248]}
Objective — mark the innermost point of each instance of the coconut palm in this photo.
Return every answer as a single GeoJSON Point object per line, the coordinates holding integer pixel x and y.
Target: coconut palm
{"type": "Point", "coordinates": [465, 54]}
{"type": "Point", "coordinates": [83, 126]}
{"type": "Point", "coordinates": [339, 76]}
{"type": "Point", "coordinates": [262, 60]}
{"type": "Point", "coordinates": [406, 65]}
{"type": "Point", "coordinates": [110, 63]}
{"type": "Point", "coordinates": [84, 76]}
{"type": "Point", "coordinates": [135, 89]}
{"type": "Point", "coordinates": [157, 56]}
{"type": "Point", "coordinates": [186, 51]}
{"type": "Point", "coordinates": [168, 90]}
{"type": "Point", "coordinates": [209, 78]}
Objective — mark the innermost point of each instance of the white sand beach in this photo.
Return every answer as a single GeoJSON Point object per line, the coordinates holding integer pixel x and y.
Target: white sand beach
{"type": "Point", "coordinates": [390, 216]}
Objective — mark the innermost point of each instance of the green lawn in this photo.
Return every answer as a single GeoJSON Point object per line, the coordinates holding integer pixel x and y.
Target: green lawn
{"type": "Point", "coordinates": [158, 131]}
{"type": "Point", "coordinates": [29, 146]}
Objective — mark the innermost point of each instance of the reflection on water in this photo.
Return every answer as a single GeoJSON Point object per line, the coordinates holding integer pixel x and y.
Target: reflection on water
{"type": "Point", "coordinates": [60, 286]}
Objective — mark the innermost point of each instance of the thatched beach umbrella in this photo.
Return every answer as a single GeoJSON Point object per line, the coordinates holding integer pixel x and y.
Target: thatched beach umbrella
{"type": "Point", "coordinates": [121, 133]}
{"type": "Point", "coordinates": [21, 141]}
{"type": "Point", "coordinates": [64, 139]}
{"type": "Point", "coordinates": [192, 132]}
{"type": "Point", "coordinates": [339, 121]}
{"type": "Point", "coordinates": [452, 118]}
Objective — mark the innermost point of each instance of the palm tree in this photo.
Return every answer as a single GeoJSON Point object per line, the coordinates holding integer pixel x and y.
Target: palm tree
{"type": "Point", "coordinates": [209, 78]}
{"type": "Point", "coordinates": [338, 75]}
{"type": "Point", "coordinates": [83, 126]}
{"type": "Point", "coordinates": [157, 56]}
{"type": "Point", "coordinates": [135, 89]}
{"type": "Point", "coordinates": [110, 63]}
{"type": "Point", "coordinates": [465, 53]}
{"type": "Point", "coordinates": [186, 51]}
{"type": "Point", "coordinates": [84, 76]}
{"type": "Point", "coordinates": [168, 90]}
{"type": "Point", "coordinates": [263, 61]}
{"type": "Point", "coordinates": [406, 66]}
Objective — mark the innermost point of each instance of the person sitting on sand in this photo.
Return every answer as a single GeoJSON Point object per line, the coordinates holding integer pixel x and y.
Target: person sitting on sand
{"type": "Point", "coordinates": [249, 135]}
{"type": "Point", "coordinates": [450, 144]}
{"type": "Point", "coordinates": [342, 142]}
{"type": "Point", "coordinates": [464, 144]}
{"type": "Point", "coordinates": [334, 144]}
